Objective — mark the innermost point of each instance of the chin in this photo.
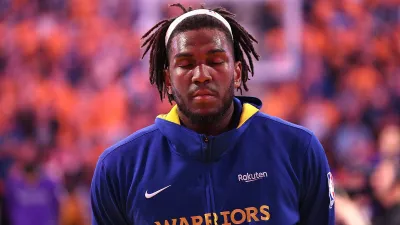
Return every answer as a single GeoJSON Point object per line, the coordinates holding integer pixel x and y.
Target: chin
{"type": "Point", "coordinates": [205, 118]}
{"type": "Point", "coordinates": [206, 111]}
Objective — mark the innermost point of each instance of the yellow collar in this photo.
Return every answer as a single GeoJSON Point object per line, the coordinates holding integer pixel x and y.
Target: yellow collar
{"type": "Point", "coordinates": [248, 111]}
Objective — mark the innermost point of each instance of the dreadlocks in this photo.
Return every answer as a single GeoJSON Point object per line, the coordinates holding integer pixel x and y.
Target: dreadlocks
{"type": "Point", "coordinates": [154, 40]}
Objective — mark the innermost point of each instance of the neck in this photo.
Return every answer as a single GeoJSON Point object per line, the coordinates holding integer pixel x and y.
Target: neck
{"type": "Point", "coordinates": [212, 129]}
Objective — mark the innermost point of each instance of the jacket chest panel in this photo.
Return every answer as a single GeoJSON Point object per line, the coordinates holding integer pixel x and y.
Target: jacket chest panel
{"type": "Point", "coordinates": [228, 191]}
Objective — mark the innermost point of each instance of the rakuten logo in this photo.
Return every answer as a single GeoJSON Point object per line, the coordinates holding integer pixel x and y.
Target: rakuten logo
{"type": "Point", "coordinates": [252, 177]}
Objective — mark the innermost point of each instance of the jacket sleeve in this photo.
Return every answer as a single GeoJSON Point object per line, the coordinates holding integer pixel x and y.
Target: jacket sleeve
{"type": "Point", "coordinates": [317, 188]}
{"type": "Point", "coordinates": [106, 209]}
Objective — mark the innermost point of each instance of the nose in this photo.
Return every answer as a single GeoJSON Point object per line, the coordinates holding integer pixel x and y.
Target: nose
{"type": "Point", "coordinates": [201, 74]}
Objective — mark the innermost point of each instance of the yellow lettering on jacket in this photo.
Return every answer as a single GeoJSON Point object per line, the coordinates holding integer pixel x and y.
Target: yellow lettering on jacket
{"type": "Point", "coordinates": [236, 216]}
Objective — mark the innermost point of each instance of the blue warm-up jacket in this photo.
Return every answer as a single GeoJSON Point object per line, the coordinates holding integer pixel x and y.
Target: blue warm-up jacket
{"type": "Point", "coordinates": [266, 171]}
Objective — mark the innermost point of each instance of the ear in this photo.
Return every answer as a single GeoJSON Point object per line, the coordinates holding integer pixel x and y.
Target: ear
{"type": "Point", "coordinates": [237, 74]}
{"type": "Point", "coordinates": [167, 79]}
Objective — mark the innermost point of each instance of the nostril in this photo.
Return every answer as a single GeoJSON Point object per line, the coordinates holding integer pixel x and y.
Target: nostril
{"type": "Point", "coordinates": [201, 83]}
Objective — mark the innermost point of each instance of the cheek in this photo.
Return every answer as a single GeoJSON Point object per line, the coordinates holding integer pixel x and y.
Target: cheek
{"type": "Point", "coordinates": [180, 80]}
{"type": "Point", "coordinates": [225, 75]}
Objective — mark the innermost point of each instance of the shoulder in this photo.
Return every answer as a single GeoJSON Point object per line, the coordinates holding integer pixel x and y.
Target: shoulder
{"type": "Point", "coordinates": [282, 129]}
{"type": "Point", "coordinates": [276, 121]}
{"type": "Point", "coordinates": [300, 143]}
{"type": "Point", "coordinates": [128, 146]}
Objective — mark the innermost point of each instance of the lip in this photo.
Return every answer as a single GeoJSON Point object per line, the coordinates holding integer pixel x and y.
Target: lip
{"type": "Point", "coordinates": [203, 93]}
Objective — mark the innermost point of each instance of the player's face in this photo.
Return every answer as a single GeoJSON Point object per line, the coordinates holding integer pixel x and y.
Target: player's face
{"type": "Point", "coordinates": [202, 74]}
{"type": "Point", "coordinates": [383, 178]}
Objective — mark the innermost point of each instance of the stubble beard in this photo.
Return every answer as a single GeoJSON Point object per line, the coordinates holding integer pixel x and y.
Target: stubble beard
{"type": "Point", "coordinates": [209, 119]}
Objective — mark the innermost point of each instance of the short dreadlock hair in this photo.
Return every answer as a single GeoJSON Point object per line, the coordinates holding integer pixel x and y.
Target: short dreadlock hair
{"type": "Point", "coordinates": [154, 40]}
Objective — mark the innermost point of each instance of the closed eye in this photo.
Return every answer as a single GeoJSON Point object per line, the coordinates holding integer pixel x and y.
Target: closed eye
{"type": "Point", "coordinates": [217, 58]}
{"type": "Point", "coordinates": [216, 63]}
{"type": "Point", "coordinates": [184, 63]}
{"type": "Point", "coordinates": [185, 66]}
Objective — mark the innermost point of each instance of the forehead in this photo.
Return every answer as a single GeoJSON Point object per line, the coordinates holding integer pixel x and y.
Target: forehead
{"type": "Point", "coordinates": [199, 40]}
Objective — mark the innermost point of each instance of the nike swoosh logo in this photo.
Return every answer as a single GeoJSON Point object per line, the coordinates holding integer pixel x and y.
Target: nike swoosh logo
{"type": "Point", "coordinates": [150, 195]}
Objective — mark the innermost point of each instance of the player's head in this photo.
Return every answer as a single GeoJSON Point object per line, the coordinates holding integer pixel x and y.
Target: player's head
{"type": "Point", "coordinates": [385, 179]}
{"type": "Point", "coordinates": [202, 51]}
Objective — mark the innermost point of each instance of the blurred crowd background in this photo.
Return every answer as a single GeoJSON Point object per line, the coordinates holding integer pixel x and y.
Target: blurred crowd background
{"type": "Point", "coordinates": [72, 82]}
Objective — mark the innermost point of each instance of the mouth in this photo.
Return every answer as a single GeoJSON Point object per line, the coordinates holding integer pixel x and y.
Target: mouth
{"type": "Point", "coordinates": [203, 95]}
{"type": "Point", "coordinates": [203, 92]}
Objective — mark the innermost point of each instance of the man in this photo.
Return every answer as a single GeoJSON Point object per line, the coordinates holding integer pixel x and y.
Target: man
{"type": "Point", "coordinates": [214, 158]}
{"type": "Point", "coordinates": [385, 182]}
{"type": "Point", "coordinates": [31, 197]}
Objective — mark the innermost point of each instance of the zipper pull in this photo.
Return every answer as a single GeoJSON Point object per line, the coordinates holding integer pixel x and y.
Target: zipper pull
{"type": "Point", "coordinates": [206, 148]}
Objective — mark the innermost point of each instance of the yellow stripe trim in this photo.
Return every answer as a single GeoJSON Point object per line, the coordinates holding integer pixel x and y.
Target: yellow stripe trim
{"type": "Point", "coordinates": [248, 111]}
{"type": "Point", "coordinates": [172, 116]}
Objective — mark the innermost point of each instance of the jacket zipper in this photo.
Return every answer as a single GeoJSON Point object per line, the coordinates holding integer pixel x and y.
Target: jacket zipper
{"type": "Point", "coordinates": [207, 149]}
{"type": "Point", "coordinates": [209, 185]}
